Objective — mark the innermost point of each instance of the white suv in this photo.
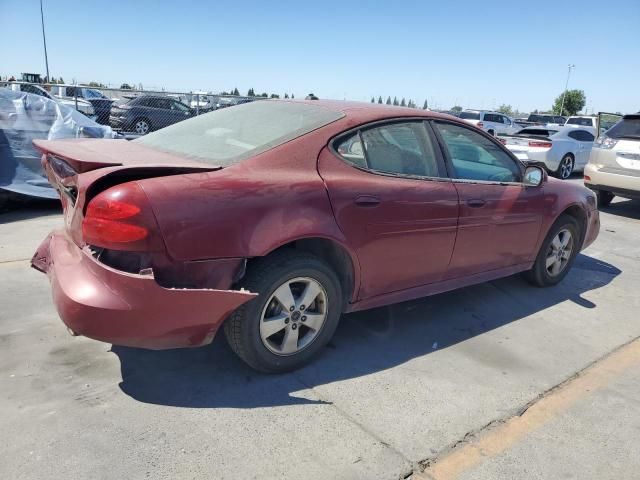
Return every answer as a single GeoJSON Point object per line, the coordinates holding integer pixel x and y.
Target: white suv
{"type": "Point", "coordinates": [614, 164]}
{"type": "Point", "coordinates": [582, 121]}
{"type": "Point", "coordinates": [493, 123]}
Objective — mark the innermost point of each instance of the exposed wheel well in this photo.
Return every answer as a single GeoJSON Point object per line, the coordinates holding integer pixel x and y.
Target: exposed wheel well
{"type": "Point", "coordinates": [580, 215]}
{"type": "Point", "coordinates": [332, 253]}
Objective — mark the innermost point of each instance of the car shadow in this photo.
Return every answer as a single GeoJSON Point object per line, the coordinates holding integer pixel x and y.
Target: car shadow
{"type": "Point", "coordinates": [623, 208]}
{"type": "Point", "coordinates": [365, 342]}
{"type": "Point", "coordinates": [15, 207]}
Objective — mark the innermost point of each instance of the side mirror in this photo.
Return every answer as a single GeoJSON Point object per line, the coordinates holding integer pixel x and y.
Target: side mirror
{"type": "Point", "coordinates": [533, 176]}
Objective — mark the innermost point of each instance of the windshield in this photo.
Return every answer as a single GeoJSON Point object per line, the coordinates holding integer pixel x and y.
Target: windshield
{"type": "Point", "coordinates": [470, 115]}
{"type": "Point", "coordinates": [628, 127]}
{"type": "Point", "coordinates": [90, 93]}
{"type": "Point", "coordinates": [226, 136]}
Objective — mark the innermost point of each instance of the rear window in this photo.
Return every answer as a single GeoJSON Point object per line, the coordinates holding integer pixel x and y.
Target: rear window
{"type": "Point", "coordinates": [224, 137]}
{"type": "Point", "coordinates": [584, 122]}
{"type": "Point", "coordinates": [538, 132]}
{"type": "Point", "coordinates": [628, 127]}
{"type": "Point", "coordinates": [470, 115]}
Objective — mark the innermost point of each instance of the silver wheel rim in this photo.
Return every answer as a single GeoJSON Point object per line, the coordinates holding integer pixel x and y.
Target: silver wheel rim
{"type": "Point", "coordinates": [142, 127]}
{"type": "Point", "coordinates": [293, 316]}
{"type": "Point", "coordinates": [566, 167]}
{"type": "Point", "coordinates": [559, 252]}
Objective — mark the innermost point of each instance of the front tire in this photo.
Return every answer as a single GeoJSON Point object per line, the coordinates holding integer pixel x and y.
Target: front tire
{"type": "Point", "coordinates": [565, 169]}
{"type": "Point", "coordinates": [604, 198]}
{"type": "Point", "coordinates": [557, 253]}
{"type": "Point", "coordinates": [141, 126]}
{"type": "Point", "coordinates": [295, 315]}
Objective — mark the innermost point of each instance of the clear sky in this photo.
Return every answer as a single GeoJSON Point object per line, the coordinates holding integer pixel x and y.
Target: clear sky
{"type": "Point", "coordinates": [471, 53]}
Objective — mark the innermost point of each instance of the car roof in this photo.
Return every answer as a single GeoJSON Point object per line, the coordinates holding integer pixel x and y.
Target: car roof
{"type": "Point", "coordinates": [365, 111]}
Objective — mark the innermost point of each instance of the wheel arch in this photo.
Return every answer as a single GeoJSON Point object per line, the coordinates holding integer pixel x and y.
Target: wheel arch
{"type": "Point", "coordinates": [578, 212]}
{"type": "Point", "coordinates": [339, 257]}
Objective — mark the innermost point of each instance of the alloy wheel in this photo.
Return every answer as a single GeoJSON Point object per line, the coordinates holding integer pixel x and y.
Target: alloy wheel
{"type": "Point", "coordinates": [293, 316]}
{"type": "Point", "coordinates": [141, 127]}
{"type": "Point", "coordinates": [559, 252]}
{"type": "Point", "coordinates": [566, 167]}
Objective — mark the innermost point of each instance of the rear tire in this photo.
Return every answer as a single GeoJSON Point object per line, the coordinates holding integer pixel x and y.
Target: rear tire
{"type": "Point", "coordinates": [557, 253]}
{"type": "Point", "coordinates": [565, 169]}
{"type": "Point", "coordinates": [272, 337]}
{"type": "Point", "coordinates": [141, 126]}
{"type": "Point", "coordinates": [604, 198]}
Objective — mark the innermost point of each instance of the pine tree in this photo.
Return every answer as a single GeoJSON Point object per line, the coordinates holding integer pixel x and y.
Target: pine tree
{"type": "Point", "coordinates": [251, 93]}
{"type": "Point", "coordinates": [286, 95]}
{"type": "Point", "coordinates": [373, 100]}
{"type": "Point", "coordinates": [425, 106]}
{"type": "Point", "coordinates": [380, 99]}
{"type": "Point", "coordinates": [403, 103]}
{"type": "Point", "coordinates": [293, 96]}
{"type": "Point", "coordinates": [388, 100]}
{"type": "Point", "coordinates": [395, 101]}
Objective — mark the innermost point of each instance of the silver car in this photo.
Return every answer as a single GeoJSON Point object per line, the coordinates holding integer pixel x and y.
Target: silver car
{"type": "Point", "coordinates": [562, 150]}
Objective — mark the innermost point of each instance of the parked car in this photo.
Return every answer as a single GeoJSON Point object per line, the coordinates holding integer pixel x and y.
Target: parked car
{"type": "Point", "coordinates": [614, 165]}
{"type": "Point", "coordinates": [82, 106]}
{"type": "Point", "coordinates": [561, 150]}
{"type": "Point", "coordinates": [493, 123]}
{"type": "Point", "coordinates": [100, 102]}
{"type": "Point", "coordinates": [272, 218]}
{"type": "Point", "coordinates": [224, 102]}
{"type": "Point", "coordinates": [146, 113]}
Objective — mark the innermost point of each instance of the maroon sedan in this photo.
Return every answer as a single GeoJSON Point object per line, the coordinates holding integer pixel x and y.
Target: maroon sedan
{"type": "Point", "coordinates": [272, 218]}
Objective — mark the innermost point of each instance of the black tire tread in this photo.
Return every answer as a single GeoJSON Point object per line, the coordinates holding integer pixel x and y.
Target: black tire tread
{"type": "Point", "coordinates": [254, 280]}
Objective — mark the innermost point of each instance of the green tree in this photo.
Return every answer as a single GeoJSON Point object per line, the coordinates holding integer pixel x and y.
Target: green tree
{"type": "Point", "coordinates": [456, 108]}
{"type": "Point", "coordinates": [380, 99]}
{"type": "Point", "coordinates": [425, 105]}
{"type": "Point", "coordinates": [251, 93]}
{"type": "Point", "coordinates": [395, 101]}
{"type": "Point", "coordinates": [403, 103]}
{"type": "Point", "coordinates": [410, 104]}
{"type": "Point", "coordinates": [388, 102]}
{"type": "Point", "coordinates": [286, 95]}
{"type": "Point", "coordinates": [60, 80]}
{"type": "Point", "coordinates": [264, 94]}
{"type": "Point", "coordinates": [574, 101]}
{"type": "Point", "coordinates": [125, 86]}
{"type": "Point", "coordinates": [235, 92]}
{"type": "Point", "coordinates": [293, 96]}
{"type": "Point", "coordinates": [506, 109]}
{"type": "Point", "coordinates": [274, 95]}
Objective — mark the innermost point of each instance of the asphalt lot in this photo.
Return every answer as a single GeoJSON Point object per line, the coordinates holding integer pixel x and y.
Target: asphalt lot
{"type": "Point", "coordinates": [460, 383]}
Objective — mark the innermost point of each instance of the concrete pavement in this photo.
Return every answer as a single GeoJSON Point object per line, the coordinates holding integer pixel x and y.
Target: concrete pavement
{"type": "Point", "coordinates": [397, 387]}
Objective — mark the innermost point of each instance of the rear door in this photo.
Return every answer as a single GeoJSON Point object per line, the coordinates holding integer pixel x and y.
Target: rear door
{"type": "Point", "coordinates": [394, 203]}
{"type": "Point", "coordinates": [500, 218]}
{"type": "Point", "coordinates": [584, 139]}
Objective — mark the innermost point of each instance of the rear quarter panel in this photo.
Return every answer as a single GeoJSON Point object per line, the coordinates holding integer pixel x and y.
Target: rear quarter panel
{"type": "Point", "coordinates": [245, 210]}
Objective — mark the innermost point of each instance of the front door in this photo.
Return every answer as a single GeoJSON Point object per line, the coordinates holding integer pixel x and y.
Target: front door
{"type": "Point", "coordinates": [500, 218]}
{"type": "Point", "coordinates": [393, 202]}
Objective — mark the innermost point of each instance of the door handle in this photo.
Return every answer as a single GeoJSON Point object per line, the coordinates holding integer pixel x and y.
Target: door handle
{"type": "Point", "coordinates": [367, 201]}
{"type": "Point", "coordinates": [476, 203]}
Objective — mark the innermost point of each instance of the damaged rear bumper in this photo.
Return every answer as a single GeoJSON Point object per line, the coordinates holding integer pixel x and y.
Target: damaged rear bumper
{"type": "Point", "coordinates": [105, 304]}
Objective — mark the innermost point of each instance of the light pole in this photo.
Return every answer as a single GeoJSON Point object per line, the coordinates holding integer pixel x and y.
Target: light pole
{"type": "Point", "coordinates": [566, 85]}
{"type": "Point", "coordinates": [44, 41]}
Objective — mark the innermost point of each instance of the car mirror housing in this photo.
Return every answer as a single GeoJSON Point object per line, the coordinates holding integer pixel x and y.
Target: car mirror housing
{"type": "Point", "coordinates": [533, 176]}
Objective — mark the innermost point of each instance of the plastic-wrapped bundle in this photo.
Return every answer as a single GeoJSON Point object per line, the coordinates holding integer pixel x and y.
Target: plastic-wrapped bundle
{"type": "Point", "coordinates": [25, 117]}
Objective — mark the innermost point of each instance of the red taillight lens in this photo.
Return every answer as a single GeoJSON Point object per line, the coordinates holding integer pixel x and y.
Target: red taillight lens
{"type": "Point", "coordinates": [541, 144]}
{"type": "Point", "coordinates": [120, 218]}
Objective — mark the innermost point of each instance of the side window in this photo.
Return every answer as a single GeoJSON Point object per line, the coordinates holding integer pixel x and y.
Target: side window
{"type": "Point", "coordinates": [581, 136]}
{"type": "Point", "coordinates": [351, 150]}
{"type": "Point", "coordinates": [178, 106]}
{"type": "Point", "coordinates": [475, 157]}
{"type": "Point", "coordinates": [398, 148]}
{"type": "Point", "coordinates": [506, 120]}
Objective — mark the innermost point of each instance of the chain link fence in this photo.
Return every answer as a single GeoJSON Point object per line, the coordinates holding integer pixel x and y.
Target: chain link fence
{"type": "Point", "coordinates": [130, 111]}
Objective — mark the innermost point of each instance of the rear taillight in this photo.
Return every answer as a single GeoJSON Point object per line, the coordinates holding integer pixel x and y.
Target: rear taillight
{"type": "Point", "coordinates": [120, 218]}
{"type": "Point", "coordinates": [541, 144]}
